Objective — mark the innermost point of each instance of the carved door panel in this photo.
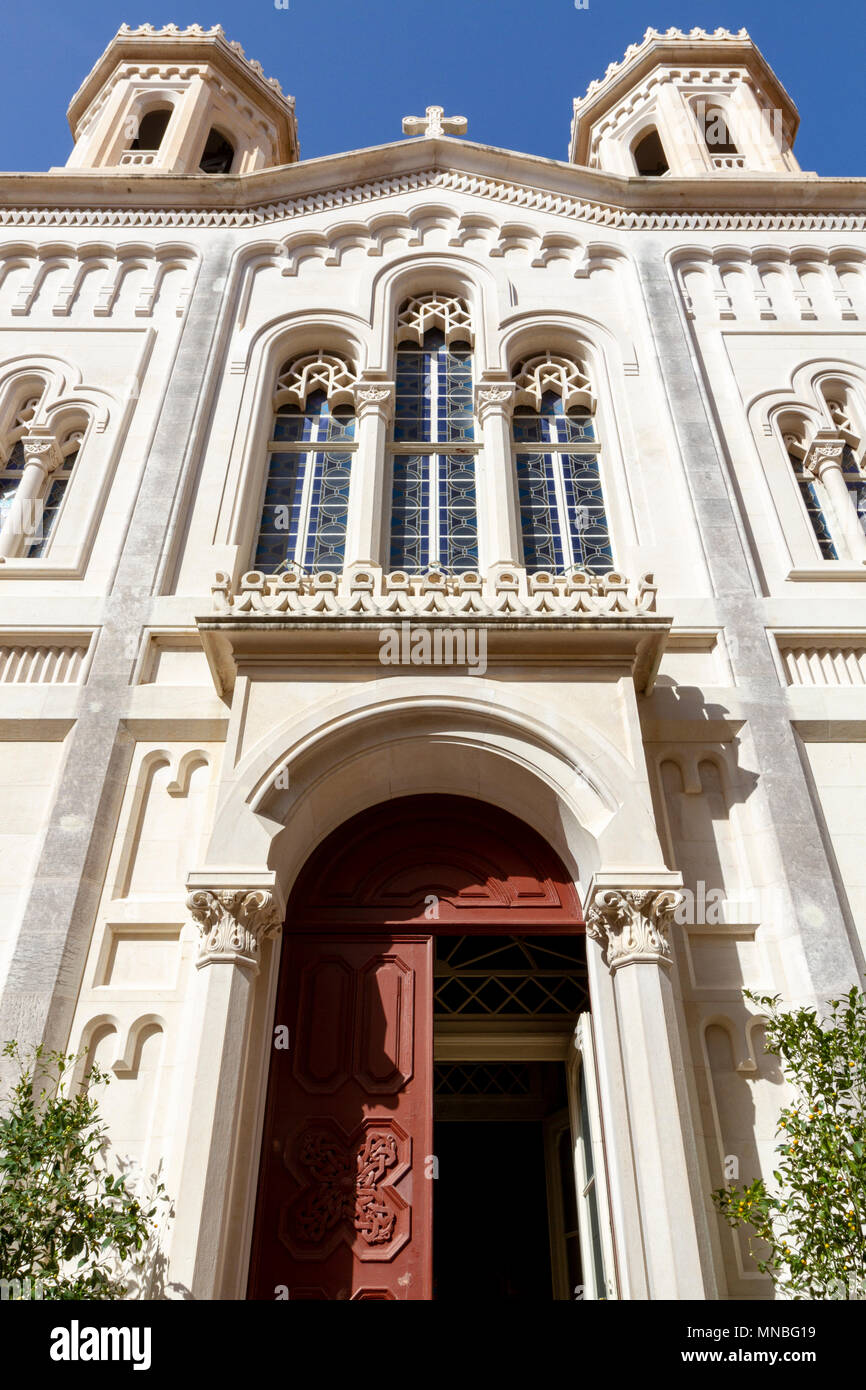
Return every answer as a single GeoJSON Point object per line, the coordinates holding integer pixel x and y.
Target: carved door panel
{"type": "Point", "coordinates": [344, 1208]}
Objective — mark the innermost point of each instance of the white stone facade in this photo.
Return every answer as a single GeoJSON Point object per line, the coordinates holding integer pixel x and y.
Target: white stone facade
{"type": "Point", "coordinates": [696, 719]}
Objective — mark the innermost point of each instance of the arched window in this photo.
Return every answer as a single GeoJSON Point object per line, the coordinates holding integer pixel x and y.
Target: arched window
{"type": "Point", "coordinates": [717, 136]}
{"type": "Point", "coordinates": [218, 155]}
{"type": "Point", "coordinates": [434, 512]}
{"type": "Point", "coordinates": [151, 129]}
{"type": "Point", "coordinates": [303, 519]}
{"type": "Point", "coordinates": [556, 453]}
{"type": "Point", "coordinates": [796, 442]}
{"type": "Point", "coordinates": [649, 155]}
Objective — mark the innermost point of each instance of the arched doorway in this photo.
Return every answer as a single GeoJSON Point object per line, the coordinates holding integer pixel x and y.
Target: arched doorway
{"type": "Point", "coordinates": [426, 925]}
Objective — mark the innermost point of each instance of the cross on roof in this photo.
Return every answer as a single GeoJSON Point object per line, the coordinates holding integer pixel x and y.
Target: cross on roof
{"type": "Point", "coordinates": [434, 123]}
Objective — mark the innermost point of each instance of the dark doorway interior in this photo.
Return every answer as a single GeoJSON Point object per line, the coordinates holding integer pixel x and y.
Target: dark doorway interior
{"type": "Point", "coordinates": [492, 1223]}
{"type": "Point", "coordinates": [490, 1234]}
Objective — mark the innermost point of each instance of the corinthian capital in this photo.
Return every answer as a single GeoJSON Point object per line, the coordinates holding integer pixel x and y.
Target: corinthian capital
{"type": "Point", "coordinates": [631, 924]}
{"type": "Point", "coordinates": [233, 922]}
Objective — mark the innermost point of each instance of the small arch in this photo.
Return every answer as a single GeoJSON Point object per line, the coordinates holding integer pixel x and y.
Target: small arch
{"type": "Point", "coordinates": [649, 155]}
{"type": "Point", "coordinates": [218, 154]}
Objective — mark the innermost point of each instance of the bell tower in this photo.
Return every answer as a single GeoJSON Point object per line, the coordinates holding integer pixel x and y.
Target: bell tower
{"type": "Point", "coordinates": [686, 105]}
{"type": "Point", "coordinates": [180, 101]}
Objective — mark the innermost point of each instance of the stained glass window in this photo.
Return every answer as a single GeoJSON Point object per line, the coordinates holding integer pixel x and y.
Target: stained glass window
{"type": "Point", "coordinates": [306, 499]}
{"type": "Point", "coordinates": [856, 482]}
{"type": "Point", "coordinates": [434, 510]}
{"type": "Point", "coordinates": [562, 509]}
{"type": "Point", "coordinates": [814, 509]}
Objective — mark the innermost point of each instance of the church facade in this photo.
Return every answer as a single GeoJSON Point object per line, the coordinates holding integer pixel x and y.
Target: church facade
{"type": "Point", "coordinates": [432, 666]}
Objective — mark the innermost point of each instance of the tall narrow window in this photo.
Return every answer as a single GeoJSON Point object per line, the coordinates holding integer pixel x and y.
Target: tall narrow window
{"type": "Point", "coordinates": [306, 502]}
{"type": "Point", "coordinates": [434, 511]}
{"type": "Point", "coordinates": [562, 511]}
{"type": "Point", "coordinates": [797, 448]}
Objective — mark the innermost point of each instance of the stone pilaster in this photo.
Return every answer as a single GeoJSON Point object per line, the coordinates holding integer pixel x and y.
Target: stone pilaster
{"type": "Point", "coordinates": [630, 921]}
{"type": "Point", "coordinates": [498, 502]}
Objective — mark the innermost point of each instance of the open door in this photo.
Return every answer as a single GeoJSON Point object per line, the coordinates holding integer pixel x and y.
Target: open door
{"type": "Point", "coordinates": [345, 1205]}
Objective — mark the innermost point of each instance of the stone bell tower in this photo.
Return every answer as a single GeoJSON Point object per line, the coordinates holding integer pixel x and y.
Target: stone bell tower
{"type": "Point", "coordinates": [685, 105]}
{"type": "Point", "coordinates": [180, 101]}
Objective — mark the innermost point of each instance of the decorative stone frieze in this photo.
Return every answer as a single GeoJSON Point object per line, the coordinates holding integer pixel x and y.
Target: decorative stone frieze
{"type": "Point", "coordinates": [502, 593]}
{"type": "Point", "coordinates": [233, 922]}
{"type": "Point", "coordinates": [631, 924]}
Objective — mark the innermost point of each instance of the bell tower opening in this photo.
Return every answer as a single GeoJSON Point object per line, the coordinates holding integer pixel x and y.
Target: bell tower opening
{"type": "Point", "coordinates": [433, 973]}
{"type": "Point", "coordinates": [649, 155]}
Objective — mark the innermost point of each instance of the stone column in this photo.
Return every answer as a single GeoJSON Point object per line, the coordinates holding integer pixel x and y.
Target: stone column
{"type": "Point", "coordinates": [497, 489]}
{"type": "Point", "coordinates": [233, 920]}
{"type": "Point", "coordinates": [824, 462]}
{"type": "Point", "coordinates": [630, 922]}
{"type": "Point", "coordinates": [41, 457]}
{"type": "Point", "coordinates": [374, 406]}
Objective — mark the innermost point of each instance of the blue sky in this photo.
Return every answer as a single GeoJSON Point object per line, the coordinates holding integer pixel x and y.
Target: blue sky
{"type": "Point", "coordinates": [356, 67]}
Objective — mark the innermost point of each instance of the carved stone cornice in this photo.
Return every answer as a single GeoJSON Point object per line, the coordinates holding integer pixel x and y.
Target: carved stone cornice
{"type": "Point", "coordinates": [166, 214]}
{"type": "Point", "coordinates": [233, 922]}
{"type": "Point", "coordinates": [631, 924]}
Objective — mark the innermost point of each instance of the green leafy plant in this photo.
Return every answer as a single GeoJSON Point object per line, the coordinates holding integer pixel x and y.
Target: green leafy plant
{"type": "Point", "coordinates": [813, 1223]}
{"type": "Point", "coordinates": [67, 1223]}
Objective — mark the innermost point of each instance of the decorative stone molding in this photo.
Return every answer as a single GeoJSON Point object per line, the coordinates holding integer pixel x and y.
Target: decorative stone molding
{"type": "Point", "coordinates": [458, 181]}
{"type": "Point", "coordinates": [233, 922]}
{"type": "Point", "coordinates": [631, 924]}
{"type": "Point", "coordinates": [504, 593]}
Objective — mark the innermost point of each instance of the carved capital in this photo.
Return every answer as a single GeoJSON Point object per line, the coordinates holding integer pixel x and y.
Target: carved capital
{"type": "Point", "coordinates": [494, 400]}
{"type": "Point", "coordinates": [631, 924]}
{"type": "Point", "coordinates": [43, 451]}
{"type": "Point", "coordinates": [377, 397]}
{"type": "Point", "coordinates": [233, 922]}
{"type": "Point", "coordinates": [824, 454]}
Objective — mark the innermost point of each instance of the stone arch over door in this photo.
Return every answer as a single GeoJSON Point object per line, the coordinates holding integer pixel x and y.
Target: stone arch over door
{"type": "Point", "coordinates": [344, 1207]}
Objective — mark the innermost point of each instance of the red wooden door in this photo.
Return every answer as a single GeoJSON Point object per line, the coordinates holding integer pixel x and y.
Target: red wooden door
{"type": "Point", "coordinates": [345, 1206]}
